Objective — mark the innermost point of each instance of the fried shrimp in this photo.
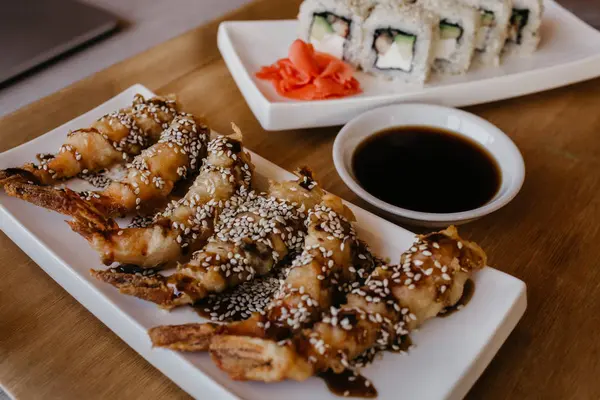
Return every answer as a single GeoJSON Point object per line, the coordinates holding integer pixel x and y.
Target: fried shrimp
{"type": "Point", "coordinates": [149, 178]}
{"type": "Point", "coordinates": [331, 260]}
{"type": "Point", "coordinates": [253, 233]}
{"type": "Point", "coordinates": [186, 224]}
{"type": "Point", "coordinates": [376, 316]}
{"type": "Point", "coordinates": [112, 139]}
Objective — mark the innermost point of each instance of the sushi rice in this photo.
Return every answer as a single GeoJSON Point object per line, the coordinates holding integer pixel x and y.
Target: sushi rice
{"type": "Point", "coordinates": [406, 39]}
{"type": "Point", "coordinates": [334, 26]}
{"type": "Point", "coordinates": [398, 41]}
{"type": "Point", "coordinates": [524, 28]}
{"type": "Point", "coordinates": [495, 18]}
{"type": "Point", "coordinates": [459, 26]}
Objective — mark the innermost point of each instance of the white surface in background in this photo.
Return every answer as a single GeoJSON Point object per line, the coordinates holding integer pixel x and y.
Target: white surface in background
{"type": "Point", "coordinates": [454, 350]}
{"type": "Point", "coordinates": [149, 23]}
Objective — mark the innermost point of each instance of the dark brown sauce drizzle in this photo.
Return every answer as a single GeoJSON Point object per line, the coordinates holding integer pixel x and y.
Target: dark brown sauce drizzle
{"type": "Point", "coordinates": [44, 156]}
{"type": "Point", "coordinates": [306, 174]}
{"type": "Point", "coordinates": [28, 176]}
{"type": "Point", "coordinates": [426, 169]}
{"type": "Point", "coordinates": [134, 269]}
{"type": "Point", "coordinates": [468, 291]}
{"type": "Point", "coordinates": [348, 384]}
{"type": "Point", "coordinates": [352, 384]}
{"type": "Point", "coordinates": [236, 145]}
{"type": "Point", "coordinates": [404, 345]}
{"type": "Point", "coordinates": [233, 304]}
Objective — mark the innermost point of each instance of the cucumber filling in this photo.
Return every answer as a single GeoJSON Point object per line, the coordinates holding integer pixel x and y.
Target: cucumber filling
{"type": "Point", "coordinates": [488, 22]}
{"type": "Point", "coordinates": [395, 49]}
{"type": "Point", "coordinates": [518, 20]}
{"type": "Point", "coordinates": [329, 33]}
{"type": "Point", "coordinates": [450, 35]}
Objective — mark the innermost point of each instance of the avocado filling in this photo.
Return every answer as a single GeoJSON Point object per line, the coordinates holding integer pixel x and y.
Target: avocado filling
{"type": "Point", "coordinates": [395, 49]}
{"type": "Point", "coordinates": [488, 21]}
{"type": "Point", "coordinates": [518, 20]}
{"type": "Point", "coordinates": [450, 35]}
{"type": "Point", "coordinates": [328, 33]}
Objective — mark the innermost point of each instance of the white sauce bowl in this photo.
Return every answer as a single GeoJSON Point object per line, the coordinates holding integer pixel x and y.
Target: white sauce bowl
{"type": "Point", "coordinates": [505, 152]}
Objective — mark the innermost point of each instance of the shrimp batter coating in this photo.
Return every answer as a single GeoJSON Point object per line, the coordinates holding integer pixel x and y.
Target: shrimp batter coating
{"type": "Point", "coordinates": [394, 300]}
{"type": "Point", "coordinates": [186, 224]}
{"type": "Point", "coordinates": [253, 233]}
{"type": "Point", "coordinates": [112, 139]}
{"type": "Point", "coordinates": [149, 178]}
{"type": "Point", "coordinates": [331, 262]}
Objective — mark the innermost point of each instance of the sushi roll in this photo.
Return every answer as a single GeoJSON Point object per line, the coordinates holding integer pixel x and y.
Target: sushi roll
{"type": "Point", "coordinates": [495, 18]}
{"type": "Point", "coordinates": [524, 28]}
{"type": "Point", "coordinates": [459, 25]}
{"type": "Point", "coordinates": [398, 42]}
{"type": "Point", "coordinates": [334, 26]}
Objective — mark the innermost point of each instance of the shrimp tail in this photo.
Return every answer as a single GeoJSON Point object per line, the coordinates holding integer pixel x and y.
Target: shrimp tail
{"type": "Point", "coordinates": [186, 337]}
{"type": "Point", "coordinates": [153, 288]}
{"type": "Point", "coordinates": [64, 201]}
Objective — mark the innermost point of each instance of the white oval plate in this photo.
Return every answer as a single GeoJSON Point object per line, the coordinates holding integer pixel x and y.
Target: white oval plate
{"type": "Point", "coordinates": [499, 146]}
{"type": "Point", "coordinates": [569, 52]}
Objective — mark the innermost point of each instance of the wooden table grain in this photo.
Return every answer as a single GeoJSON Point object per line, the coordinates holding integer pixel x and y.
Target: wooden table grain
{"type": "Point", "coordinates": [549, 236]}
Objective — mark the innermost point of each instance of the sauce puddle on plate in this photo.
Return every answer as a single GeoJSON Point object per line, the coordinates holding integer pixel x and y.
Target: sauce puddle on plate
{"type": "Point", "coordinates": [426, 169]}
{"type": "Point", "coordinates": [350, 383]}
{"type": "Point", "coordinates": [468, 291]}
{"type": "Point", "coordinates": [347, 384]}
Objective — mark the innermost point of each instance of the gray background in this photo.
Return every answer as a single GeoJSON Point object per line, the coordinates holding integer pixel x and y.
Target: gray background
{"type": "Point", "coordinates": [148, 23]}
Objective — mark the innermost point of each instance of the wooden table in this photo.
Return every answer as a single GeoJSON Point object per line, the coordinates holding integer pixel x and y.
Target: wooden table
{"type": "Point", "coordinates": [549, 236]}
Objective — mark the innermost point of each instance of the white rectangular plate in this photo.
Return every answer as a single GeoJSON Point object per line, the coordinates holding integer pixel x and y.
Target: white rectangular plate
{"type": "Point", "coordinates": [569, 52]}
{"type": "Point", "coordinates": [450, 352]}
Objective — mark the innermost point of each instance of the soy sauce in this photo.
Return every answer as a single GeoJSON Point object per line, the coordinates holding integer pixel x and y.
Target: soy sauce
{"type": "Point", "coordinates": [426, 169]}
